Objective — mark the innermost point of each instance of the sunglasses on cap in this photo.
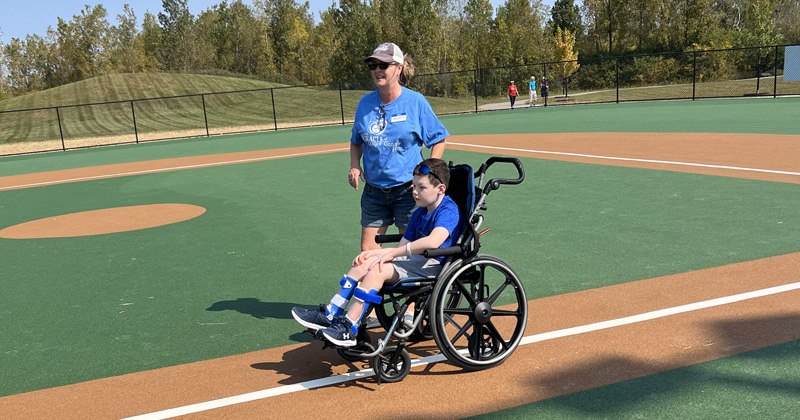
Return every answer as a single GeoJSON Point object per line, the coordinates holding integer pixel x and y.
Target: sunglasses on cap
{"type": "Point", "coordinates": [382, 66]}
{"type": "Point", "coordinates": [424, 170]}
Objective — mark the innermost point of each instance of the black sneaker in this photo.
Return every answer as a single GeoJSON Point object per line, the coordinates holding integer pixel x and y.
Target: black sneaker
{"type": "Point", "coordinates": [313, 319]}
{"type": "Point", "coordinates": [340, 333]}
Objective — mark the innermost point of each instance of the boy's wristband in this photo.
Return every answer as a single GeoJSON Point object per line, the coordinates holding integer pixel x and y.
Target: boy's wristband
{"type": "Point", "coordinates": [408, 249]}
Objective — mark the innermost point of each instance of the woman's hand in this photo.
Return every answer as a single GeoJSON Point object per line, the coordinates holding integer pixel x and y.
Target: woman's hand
{"type": "Point", "coordinates": [353, 177]}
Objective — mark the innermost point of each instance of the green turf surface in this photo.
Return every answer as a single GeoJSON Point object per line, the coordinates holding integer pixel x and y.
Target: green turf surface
{"type": "Point", "coordinates": [766, 116]}
{"type": "Point", "coordinates": [16, 165]}
{"type": "Point", "coordinates": [770, 116]}
{"type": "Point", "coordinates": [280, 233]}
{"type": "Point", "coordinates": [758, 384]}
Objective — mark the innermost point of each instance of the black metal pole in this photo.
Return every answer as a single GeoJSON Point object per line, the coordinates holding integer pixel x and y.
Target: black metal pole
{"type": "Point", "coordinates": [758, 72]}
{"type": "Point", "coordinates": [274, 115]}
{"type": "Point", "coordinates": [694, 74]}
{"type": "Point", "coordinates": [60, 130]}
{"type": "Point", "coordinates": [135, 130]}
{"type": "Point", "coordinates": [617, 71]}
{"type": "Point", "coordinates": [205, 117]}
{"type": "Point", "coordinates": [544, 76]}
{"type": "Point", "coordinates": [341, 103]}
{"type": "Point", "coordinates": [775, 75]}
{"type": "Point", "coordinates": [475, 84]}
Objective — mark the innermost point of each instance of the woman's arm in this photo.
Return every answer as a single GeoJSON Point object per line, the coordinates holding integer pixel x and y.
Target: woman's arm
{"type": "Point", "coordinates": [355, 165]}
{"type": "Point", "coordinates": [438, 149]}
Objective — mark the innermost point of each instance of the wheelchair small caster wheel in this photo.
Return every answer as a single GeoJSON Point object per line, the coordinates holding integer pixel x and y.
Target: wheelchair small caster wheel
{"type": "Point", "coordinates": [353, 354]}
{"type": "Point", "coordinates": [391, 365]}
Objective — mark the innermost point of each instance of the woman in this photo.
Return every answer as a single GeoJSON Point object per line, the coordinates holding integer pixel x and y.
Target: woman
{"type": "Point", "coordinates": [512, 93]}
{"type": "Point", "coordinates": [391, 126]}
{"type": "Point", "coordinates": [532, 90]}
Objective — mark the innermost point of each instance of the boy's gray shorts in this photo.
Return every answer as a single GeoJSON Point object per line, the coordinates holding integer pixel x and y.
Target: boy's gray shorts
{"type": "Point", "coordinates": [416, 266]}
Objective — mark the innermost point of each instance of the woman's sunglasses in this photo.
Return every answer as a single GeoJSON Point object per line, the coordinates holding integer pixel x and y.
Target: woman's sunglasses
{"type": "Point", "coordinates": [424, 170]}
{"type": "Point", "coordinates": [382, 66]}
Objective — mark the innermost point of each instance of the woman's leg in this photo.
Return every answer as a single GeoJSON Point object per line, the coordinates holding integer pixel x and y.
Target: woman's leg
{"type": "Point", "coordinates": [368, 237]}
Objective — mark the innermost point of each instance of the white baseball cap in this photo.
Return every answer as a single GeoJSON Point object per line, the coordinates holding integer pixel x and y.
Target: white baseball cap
{"type": "Point", "coordinates": [388, 52]}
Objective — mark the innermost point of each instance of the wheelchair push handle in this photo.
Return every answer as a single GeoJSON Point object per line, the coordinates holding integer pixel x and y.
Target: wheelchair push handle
{"type": "Point", "coordinates": [495, 183]}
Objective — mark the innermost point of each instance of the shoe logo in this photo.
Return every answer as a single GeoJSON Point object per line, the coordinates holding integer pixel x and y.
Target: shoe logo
{"type": "Point", "coordinates": [346, 336]}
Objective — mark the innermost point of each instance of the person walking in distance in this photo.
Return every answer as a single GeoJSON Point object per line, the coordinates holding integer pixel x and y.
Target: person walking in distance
{"type": "Point", "coordinates": [545, 89]}
{"type": "Point", "coordinates": [512, 93]}
{"type": "Point", "coordinates": [532, 91]}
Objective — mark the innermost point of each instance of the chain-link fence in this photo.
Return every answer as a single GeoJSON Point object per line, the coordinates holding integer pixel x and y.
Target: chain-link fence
{"type": "Point", "coordinates": [730, 73]}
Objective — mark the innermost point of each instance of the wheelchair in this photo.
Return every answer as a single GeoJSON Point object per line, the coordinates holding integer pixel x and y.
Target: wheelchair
{"type": "Point", "coordinates": [475, 309]}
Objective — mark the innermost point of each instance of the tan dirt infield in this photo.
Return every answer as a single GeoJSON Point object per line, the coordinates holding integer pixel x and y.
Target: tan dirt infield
{"type": "Point", "coordinates": [534, 372]}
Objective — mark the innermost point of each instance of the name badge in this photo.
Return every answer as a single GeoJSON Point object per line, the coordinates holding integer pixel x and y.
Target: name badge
{"type": "Point", "coordinates": [398, 118]}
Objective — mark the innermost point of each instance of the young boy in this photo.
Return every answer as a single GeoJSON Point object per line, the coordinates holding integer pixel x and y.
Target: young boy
{"type": "Point", "coordinates": [436, 223]}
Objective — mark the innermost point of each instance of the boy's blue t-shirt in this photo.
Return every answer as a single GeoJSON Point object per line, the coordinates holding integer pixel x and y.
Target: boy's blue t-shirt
{"type": "Point", "coordinates": [392, 149]}
{"type": "Point", "coordinates": [532, 85]}
{"type": "Point", "coordinates": [446, 215]}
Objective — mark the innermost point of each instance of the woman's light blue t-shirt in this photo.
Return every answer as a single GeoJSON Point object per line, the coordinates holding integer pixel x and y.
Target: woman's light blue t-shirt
{"type": "Point", "coordinates": [392, 149]}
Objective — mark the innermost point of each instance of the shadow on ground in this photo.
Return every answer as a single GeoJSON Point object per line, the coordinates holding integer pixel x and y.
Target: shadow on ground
{"type": "Point", "coordinates": [255, 308]}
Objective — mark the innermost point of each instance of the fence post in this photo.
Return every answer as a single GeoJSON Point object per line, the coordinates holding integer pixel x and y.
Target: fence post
{"type": "Point", "coordinates": [758, 72]}
{"type": "Point", "coordinates": [544, 76]}
{"type": "Point", "coordinates": [274, 115]}
{"type": "Point", "coordinates": [694, 74]}
{"type": "Point", "coordinates": [475, 84]}
{"type": "Point", "coordinates": [203, 98]}
{"type": "Point", "coordinates": [135, 130]}
{"type": "Point", "coordinates": [617, 71]}
{"type": "Point", "coordinates": [60, 131]}
{"type": "Point", "coordinates": [341, 103]}
{"type": "Point", "coordinates": [775, 75]}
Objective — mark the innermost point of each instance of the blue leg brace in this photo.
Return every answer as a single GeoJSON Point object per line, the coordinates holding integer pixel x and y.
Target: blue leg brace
{"type": "Point", "coordinates": [339, 301]}
{"type": "Point", "coordinates": [367, 298]}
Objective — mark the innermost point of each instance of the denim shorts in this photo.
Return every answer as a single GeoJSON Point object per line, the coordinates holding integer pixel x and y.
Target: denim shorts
{"type": "Point", "coordinates": [380, 209]}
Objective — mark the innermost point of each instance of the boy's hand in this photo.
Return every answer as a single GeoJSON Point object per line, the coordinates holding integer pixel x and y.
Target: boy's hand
{"type": "Point", "coordinates": [365, 255]}
{"type": "Point", "coordinates": [384, 258]}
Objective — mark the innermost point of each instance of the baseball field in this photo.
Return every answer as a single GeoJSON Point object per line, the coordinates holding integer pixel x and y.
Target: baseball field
{"type": "Point", "coordinates": [659, 246]}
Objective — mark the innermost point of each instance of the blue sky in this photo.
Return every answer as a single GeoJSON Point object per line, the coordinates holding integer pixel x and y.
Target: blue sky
{"type": "Point", "coordinates": [20, 18]}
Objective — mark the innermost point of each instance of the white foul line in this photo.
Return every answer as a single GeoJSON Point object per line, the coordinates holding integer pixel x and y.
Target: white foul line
{"type": "Point", "coordinates": [365, 373]}
{"type": "Point", "coordinates": [665, 162]}
{"type": "Point", "coordinates": [167, 169]}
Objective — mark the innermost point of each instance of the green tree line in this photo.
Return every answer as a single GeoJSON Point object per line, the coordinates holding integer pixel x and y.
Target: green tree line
{"type": "Point", "coordinates": [280, 40]}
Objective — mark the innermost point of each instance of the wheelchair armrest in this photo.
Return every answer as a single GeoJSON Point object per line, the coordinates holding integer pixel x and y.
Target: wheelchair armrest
{"type": "Point", "coordinates": [383, 239]}
{"type": "Point", "coordinates": [440, 252]}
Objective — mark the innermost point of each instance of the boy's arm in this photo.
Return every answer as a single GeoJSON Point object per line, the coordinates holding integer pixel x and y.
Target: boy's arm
{"type": "Point", "coordinates": [432, 241]}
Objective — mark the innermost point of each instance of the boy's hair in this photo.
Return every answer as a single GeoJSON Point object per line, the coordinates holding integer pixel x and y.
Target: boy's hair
{"type": "Point", "coordinates": [438, 169]}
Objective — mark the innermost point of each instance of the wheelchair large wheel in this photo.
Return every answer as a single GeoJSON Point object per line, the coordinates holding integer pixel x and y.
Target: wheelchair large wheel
{"type": "Point", "coordinates": [478, 313]}
{"type": "Point", "coordinates": [385, 314]}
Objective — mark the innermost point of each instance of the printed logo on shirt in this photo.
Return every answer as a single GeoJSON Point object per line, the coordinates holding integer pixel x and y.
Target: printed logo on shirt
{"type": "Point", "coordinates": [375, 128]}
{"type": "Point", "coordinates": [398, 117]}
